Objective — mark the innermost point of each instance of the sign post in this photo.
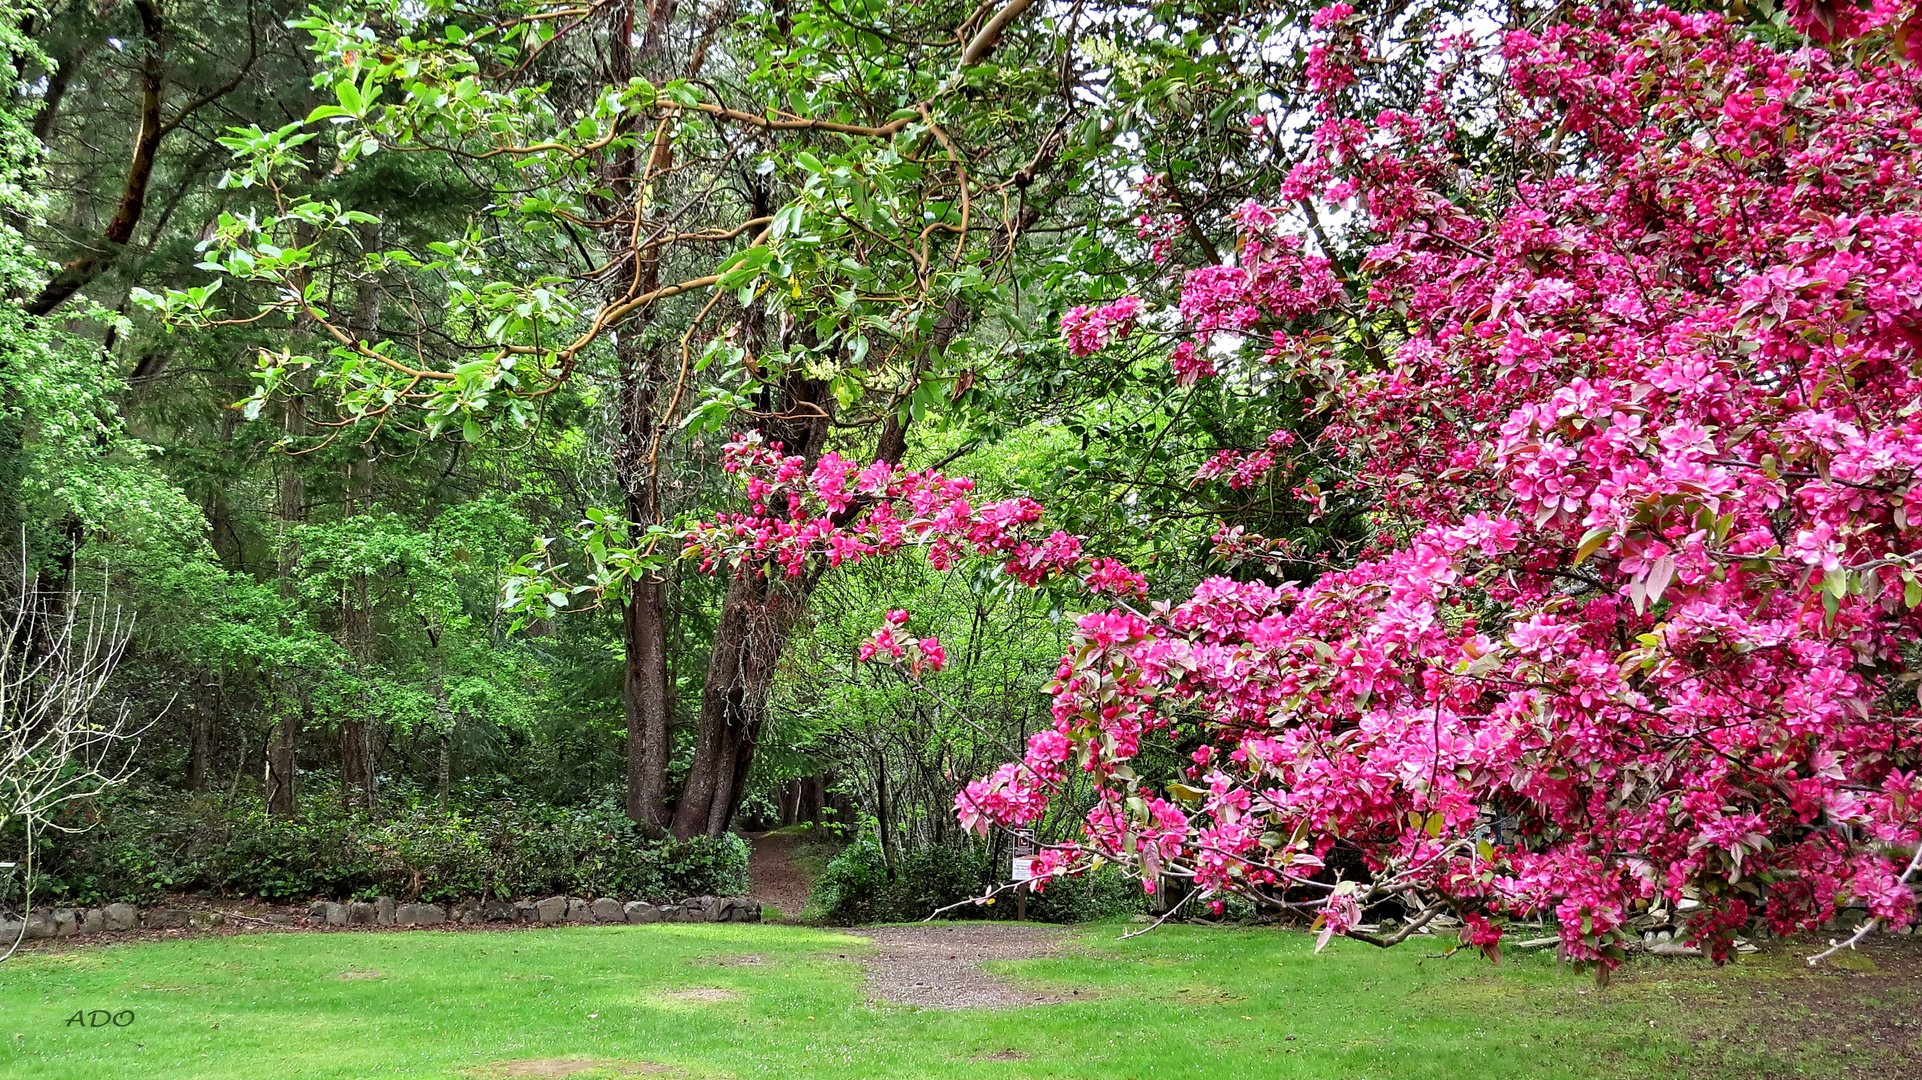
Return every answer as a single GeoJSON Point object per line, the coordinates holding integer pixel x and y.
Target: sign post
{"type": "Point", "coordinates": [1021, 871]}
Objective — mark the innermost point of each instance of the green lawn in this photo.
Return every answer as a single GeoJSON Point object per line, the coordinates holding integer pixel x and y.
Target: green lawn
{"type": "Point", "coordinates": [664, 1000]}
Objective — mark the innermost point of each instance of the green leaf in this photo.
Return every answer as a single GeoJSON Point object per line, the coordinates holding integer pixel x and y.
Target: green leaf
{"type": "Point", "coordinates": [1592, 540]}
{"type": "Point", "coordinates": [349, 97]}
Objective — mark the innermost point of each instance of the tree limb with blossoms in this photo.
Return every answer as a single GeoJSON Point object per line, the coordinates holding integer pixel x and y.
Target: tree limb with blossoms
{"type": "Point", "coordinates": [841, 512]}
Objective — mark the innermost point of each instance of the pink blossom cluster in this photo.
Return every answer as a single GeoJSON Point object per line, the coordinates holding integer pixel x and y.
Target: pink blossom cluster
{"type": "Point", "coordinates": [841, 512]}
{"type": "Point", "coordinates": [1113, 577]}
{"type": "Point", "coordinates": [1190, 365]}
{"type": "Point", "coordinates": [1274, 280]}
{"type": "Point", "coordinates": [1160, 221]}
{"type": "Point", "coordinates": [1338, 49]}
{"type": "Point", "coordinates": [889, 644]}
{"type": "Point", "coordinates": [1245, 468]}
{"type": "Point", "coordinates": [1011, 797]}
{"type": "Point", "coordinates": [1089, 330]}
{"type": "Point", "coordinates": [1239, 468]}
{"type": "Point", "coordinates": [1840, 21]}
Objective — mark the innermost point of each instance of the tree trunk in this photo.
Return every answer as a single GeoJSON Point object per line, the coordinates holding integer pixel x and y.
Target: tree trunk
{"type": "Point", "coordinates": [758, 612]}
{"type": "Point", "coordinates": [290, 506]}
{"type": "Point", "coordinates": [883, 813]}
{"type": "Point", "coordinates": [357, 742]}
{"type": "Point", "coordinates": [220, 521]}
{"type": "Point", "coordinates": [356, 636]}
{"type": "Point", "coordinates": [444, 768]}
{"type": "Point", "coordinates": [356, 765]}
{"type": "Point", "coordinates": [813, 798]}
{"type": "Point", "coordinates": [761, 610]}
{"type": "Point", "coordinates": [99, 255]}
{"type": "Point", "coordinates": [757, 616]}
{"type": "Point", "coordinates": [645, 700]}
{"type": "Point", "coordinates": [199, 745]}
{"type": "Point", "coordinates": [281, 798]}
{"type": "Point", "coordinates": [644, 683]}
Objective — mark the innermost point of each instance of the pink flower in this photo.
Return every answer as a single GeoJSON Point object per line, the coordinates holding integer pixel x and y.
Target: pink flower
{"type": "Point", "coordinates": [1104, 629]}
{"type": "Point", "coordinates": [1189, 366]}
{"type": "Point", "coordinates": [1478, 931]}
{"type": "Point", "coordinates": [882, 644]}
{"type": "Point", "coordinates": [1090, 329]}
{"type": "Point", "coordinates": [1047, 754]}
{"type": "Point", "coordinates": [1110, 576]}
{"type": "Point", "coordinates": [933, 657]}
{"type": "Point", "coordinates": [1331, 16]}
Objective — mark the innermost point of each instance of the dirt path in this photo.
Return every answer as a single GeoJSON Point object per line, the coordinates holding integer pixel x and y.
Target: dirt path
{"type": "Point", "coordinates": [774, 878]}
{"type": "Point", "coordinates": [938, 965]}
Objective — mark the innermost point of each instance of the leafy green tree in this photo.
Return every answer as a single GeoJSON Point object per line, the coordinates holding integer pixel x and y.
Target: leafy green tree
{"type": "Point", "coordinates": [819, 267]}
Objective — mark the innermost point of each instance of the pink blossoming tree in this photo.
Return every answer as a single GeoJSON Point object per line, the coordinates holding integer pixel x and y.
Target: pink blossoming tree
{"type": "Point", "coordinates": [1642, 420]}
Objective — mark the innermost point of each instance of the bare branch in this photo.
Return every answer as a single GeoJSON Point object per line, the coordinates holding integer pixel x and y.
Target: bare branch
{"type": "Point", "coordinates": [58, 744]}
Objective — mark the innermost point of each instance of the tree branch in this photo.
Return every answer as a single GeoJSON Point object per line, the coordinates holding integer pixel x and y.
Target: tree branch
{"type": "Point", "coordinates": [81, 269]}
{"type": "Point", "coordinates": [989, 35]}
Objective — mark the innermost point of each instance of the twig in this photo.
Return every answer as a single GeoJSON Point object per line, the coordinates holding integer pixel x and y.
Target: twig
{"type": "Point", "coordinates": [974, 901]}
{"type": "Point", "coordinates": [1165, 916]}
{"type": "Point", "coordinates": [247, 918]}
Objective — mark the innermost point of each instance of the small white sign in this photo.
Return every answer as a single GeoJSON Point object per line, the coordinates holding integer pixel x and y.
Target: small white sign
{"type": "Point", "coordinates": [1024, 868]}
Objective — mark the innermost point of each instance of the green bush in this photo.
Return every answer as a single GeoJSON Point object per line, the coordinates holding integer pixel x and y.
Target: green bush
{"type": "Point", "coordinates": [139, 847]}
{"type": "Point", "coordinates": [934, 877]}
{"type": "Point", "coordinates": [856, 888]}
{"type": "Point", "coordinates": [1106, 893]}
{"type": "Point", "coordinates": [846, 891]}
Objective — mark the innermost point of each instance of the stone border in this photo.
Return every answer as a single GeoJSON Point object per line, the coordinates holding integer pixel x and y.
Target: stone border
{"type": "Point", "coordinates": [383, 911]}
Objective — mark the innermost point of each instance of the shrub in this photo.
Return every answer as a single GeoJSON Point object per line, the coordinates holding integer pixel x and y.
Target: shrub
{"type": "Point", "coordinates": [139, 847]}
{"type": "Point", "coordinates": [933, 877]}
{"type": "Point", "coordinates": [1105, 893]}
{"type": "Point", "coordinates": [856, 888]}
{"type": "Point", "coordinates": [845, 893]}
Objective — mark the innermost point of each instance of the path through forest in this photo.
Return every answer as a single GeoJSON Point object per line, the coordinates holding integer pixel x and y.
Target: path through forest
{"type": "Point", "coordinates": [775, 877]}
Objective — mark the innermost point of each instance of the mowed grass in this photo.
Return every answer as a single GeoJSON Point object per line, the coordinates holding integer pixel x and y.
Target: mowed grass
{"type": "Point", "coordinates": [747, 1001]}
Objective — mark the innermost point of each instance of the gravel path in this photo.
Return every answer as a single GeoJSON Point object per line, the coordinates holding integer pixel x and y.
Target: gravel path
{"type": "Point", "coordinates": [774, 878]}
{"type": "Point", "coordinates": [938, 965]}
